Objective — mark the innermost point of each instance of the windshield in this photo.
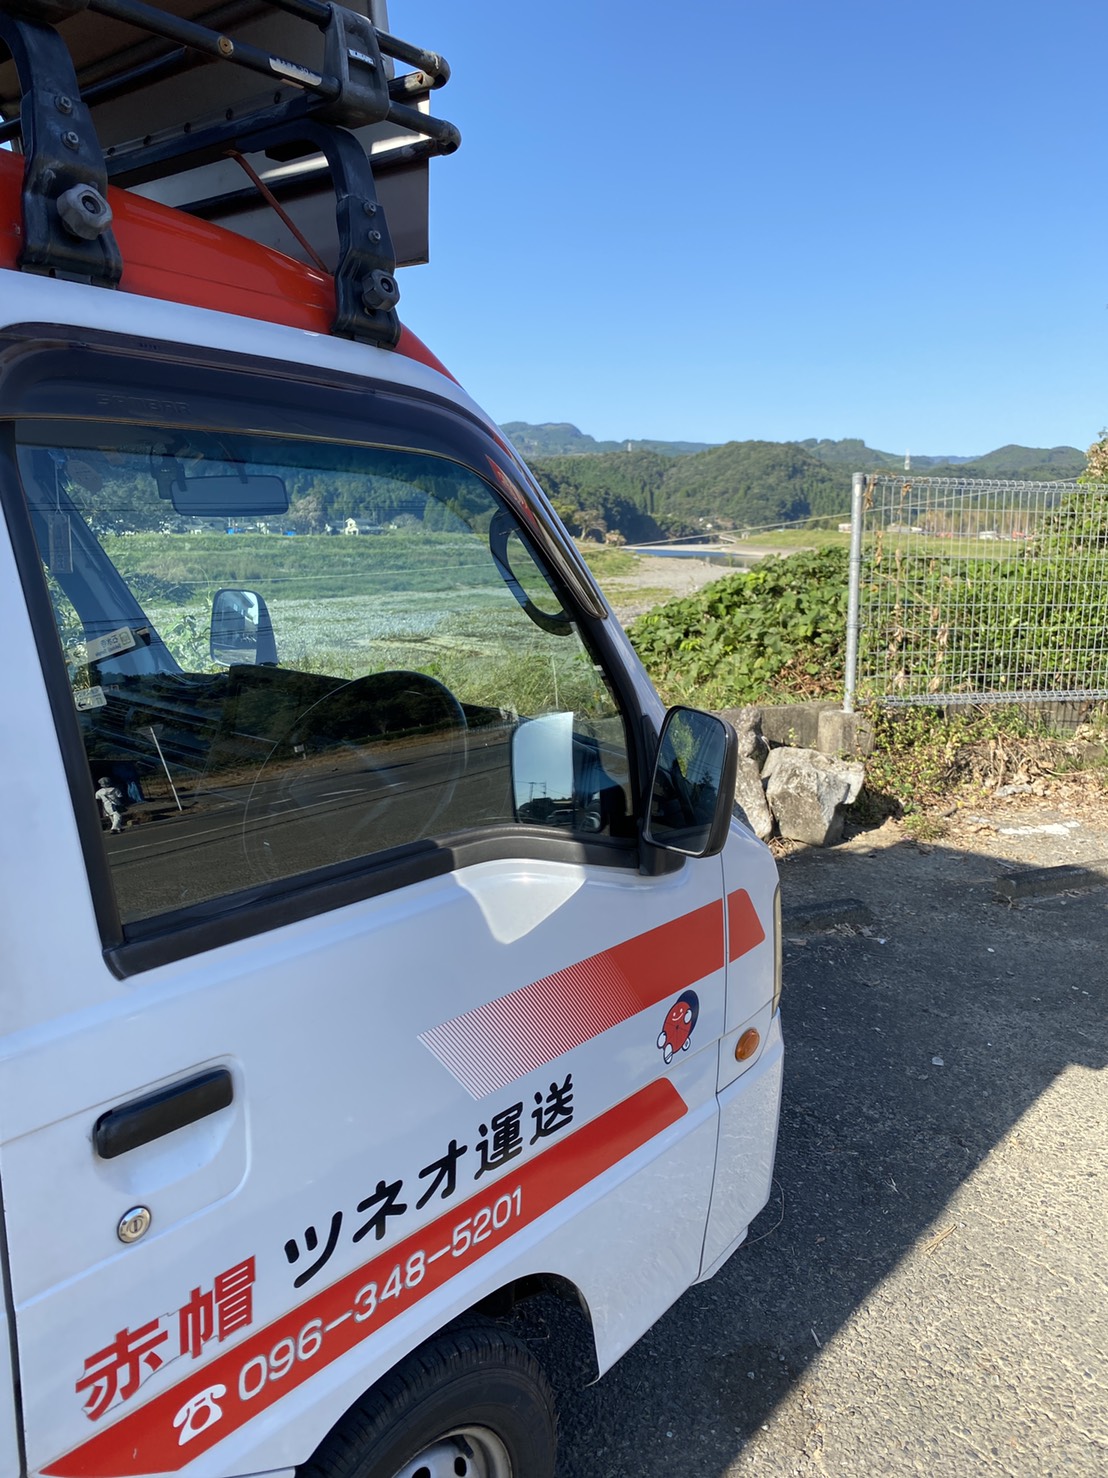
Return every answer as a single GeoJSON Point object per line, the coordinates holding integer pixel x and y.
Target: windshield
{"type": "Point", "coordinates": [289, 655]}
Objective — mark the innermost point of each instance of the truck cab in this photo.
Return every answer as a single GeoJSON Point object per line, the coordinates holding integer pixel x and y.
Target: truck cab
{"type": "Point", "coordinates": [378, 950]}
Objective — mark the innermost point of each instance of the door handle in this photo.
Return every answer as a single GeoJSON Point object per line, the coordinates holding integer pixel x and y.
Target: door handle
{"type": "Point", "coordinates": [147, 1118]}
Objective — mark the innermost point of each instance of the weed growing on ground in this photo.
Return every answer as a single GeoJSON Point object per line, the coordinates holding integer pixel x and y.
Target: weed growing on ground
{"type": "Point", "coordinates": [923, 828]}
{"type": "Point", "coordinates": [926, 761]}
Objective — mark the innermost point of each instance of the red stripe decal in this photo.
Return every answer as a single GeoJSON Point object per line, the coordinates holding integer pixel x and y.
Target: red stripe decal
{"type": "Point", "coordinates": [491, 1046]}
{"type": "Point", "coordinates": [238, 1385]}
{"type": "Point", "coordinates": [744, 927]}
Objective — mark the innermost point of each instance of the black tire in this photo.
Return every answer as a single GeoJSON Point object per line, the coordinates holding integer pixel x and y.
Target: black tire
{"type": "Point", "coordinates": [472, 1403]}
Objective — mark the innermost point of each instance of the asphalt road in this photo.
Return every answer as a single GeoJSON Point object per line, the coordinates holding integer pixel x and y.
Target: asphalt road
{"type": "Point", "coordinates": [305, 815]}
{"type": "Point", "coordinates": [926, 1291]}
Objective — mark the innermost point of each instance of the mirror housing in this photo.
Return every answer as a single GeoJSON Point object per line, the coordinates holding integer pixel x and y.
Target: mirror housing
{"type": "Point", "coordinates": [692, 787]}
{"type": "Point", "coordinates": [241, 631]}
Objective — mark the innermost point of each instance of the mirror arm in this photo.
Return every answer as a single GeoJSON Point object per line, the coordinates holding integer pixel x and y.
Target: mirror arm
{"type": "Point", "coordinates": [658, 862]}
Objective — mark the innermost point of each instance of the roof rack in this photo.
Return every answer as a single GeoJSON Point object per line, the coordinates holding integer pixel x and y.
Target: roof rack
{"type": "Point", "coordinates": [83, 88]}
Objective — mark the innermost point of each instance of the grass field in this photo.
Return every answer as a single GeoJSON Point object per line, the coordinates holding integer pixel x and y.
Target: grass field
{"type": "Point", "coordinates": [175, 565]}
{"type": "Point", "coordinates": [413, 601]}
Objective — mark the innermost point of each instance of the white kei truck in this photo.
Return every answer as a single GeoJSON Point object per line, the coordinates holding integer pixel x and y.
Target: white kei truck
{"type": "Point", "coordinates": [377, 952]}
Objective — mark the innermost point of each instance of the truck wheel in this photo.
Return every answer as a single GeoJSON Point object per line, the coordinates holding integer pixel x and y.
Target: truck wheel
{"type": "Point", "coordinates": [473, 1403]}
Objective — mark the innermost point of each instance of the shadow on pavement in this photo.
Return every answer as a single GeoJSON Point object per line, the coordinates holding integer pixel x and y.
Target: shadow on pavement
{"type": "Point", "coordinates": [875, 1137]}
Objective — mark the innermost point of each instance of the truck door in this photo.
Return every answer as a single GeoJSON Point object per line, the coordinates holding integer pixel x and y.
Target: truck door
{"type": "Point", "coordinates": [367, 993]}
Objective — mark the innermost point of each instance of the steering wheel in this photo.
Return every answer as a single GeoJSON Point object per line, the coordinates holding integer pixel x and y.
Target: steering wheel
{"type": "Point", "coordinates": [371, 765]}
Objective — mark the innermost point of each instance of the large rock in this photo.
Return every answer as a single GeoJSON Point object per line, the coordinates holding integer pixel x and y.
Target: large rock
{"type": "Point", "coordinates": [750, 797]}
{"type": "Point", "coordinates": [806, 791]}
{"type": "Point", "coordinates": [818, 724]}
{"type": "Point", "coordinates": [747, 724]}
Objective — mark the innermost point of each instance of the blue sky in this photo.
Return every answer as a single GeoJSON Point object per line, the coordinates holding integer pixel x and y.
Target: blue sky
{"type": "Point", "coordinates": [773, 219]}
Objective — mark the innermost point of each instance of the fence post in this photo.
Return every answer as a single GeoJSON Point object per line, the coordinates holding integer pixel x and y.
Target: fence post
{"type": "Point", "coordinates": [854, 591]}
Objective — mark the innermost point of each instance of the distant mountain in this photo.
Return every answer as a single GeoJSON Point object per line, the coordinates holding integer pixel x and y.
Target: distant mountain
{"type": "Point", "coordinates": [853, 453]}
{"type": "Point", "coordinates": [560, 439]}
{"type": "Point", "coordinates": [850, 454]}
{"type": "Point", "coordinates": [753, 483]}
{"type": "Point", "coordinates": [1036, 464]}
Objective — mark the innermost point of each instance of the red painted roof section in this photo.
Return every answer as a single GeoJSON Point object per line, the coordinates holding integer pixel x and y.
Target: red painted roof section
{"type": "Point", "coordinates": [179, 259]}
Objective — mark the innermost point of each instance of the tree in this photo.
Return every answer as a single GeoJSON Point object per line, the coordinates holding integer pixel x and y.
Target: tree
{"type": "Point", "coordinates": [1096, 460]}
{"type": "Point", "coordinates": [306, 515]}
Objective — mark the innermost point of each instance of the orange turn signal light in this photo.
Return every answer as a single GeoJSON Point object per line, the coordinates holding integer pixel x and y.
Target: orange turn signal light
{"type": "Point", "coordinates": [747, 1045]}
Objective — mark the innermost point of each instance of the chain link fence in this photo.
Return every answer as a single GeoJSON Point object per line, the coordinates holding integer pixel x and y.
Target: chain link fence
{"type": "Point", "coordinates": [977, 592]}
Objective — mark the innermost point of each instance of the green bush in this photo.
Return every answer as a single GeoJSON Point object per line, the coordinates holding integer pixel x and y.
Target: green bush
{"type": "Point", "coordinates": [778, 630]}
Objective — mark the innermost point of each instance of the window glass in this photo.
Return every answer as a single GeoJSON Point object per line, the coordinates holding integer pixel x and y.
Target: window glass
{"type": "Point", "coordinates": [289, 655]}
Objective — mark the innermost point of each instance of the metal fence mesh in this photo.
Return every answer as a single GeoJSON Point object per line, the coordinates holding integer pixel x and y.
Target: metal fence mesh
{"type": "Point", "coordinates": [975, 592]}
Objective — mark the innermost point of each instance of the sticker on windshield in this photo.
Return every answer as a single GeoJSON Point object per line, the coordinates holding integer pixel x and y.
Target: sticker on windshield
{"type": "Point", "coordinates": [99, 647]}
{"type": "Point", "coordinates": [89, 698]}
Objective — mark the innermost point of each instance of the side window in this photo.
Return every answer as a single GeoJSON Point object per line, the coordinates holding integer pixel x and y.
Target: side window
{"type": "Point", "coordinates": [290, 656]}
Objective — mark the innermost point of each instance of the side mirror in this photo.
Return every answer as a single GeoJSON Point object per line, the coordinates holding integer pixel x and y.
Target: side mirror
{"type": "Point", "coordinates": [241, 630]}
{"type": "Point", "coordinates": [692, 789]}
{"type": "Point", "coordinates": [542, 769]}
{"type": "Point", "coordinates": [558, 776]}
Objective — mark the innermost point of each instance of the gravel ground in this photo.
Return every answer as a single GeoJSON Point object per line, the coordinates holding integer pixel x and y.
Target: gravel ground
{"type": "Point", "coordinates": [657, 578]}
{"type": "Point", "coordinates": [926, 1292]}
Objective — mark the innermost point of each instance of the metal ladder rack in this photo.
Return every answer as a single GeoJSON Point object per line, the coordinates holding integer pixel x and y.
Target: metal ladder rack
{"type": "Point", "coordinates": [305, 111]}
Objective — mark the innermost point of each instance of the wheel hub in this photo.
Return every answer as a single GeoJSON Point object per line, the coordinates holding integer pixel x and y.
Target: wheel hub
{"type": "Point", "coordinates": [473, 1452]}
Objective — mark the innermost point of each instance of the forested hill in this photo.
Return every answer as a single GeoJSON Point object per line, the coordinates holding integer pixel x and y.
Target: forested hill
{"type": "Point", "coordinates": [1036, 464]}
{"type": "Point", "coordinates": [645, 493]}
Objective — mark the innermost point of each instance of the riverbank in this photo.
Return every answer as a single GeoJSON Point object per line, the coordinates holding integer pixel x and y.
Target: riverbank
{"type": "Point", "coordinates": [655, 579]}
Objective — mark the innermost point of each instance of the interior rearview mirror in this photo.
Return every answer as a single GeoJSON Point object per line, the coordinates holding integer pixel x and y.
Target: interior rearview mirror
{"type": "Point", "coordinates": [249, 495]}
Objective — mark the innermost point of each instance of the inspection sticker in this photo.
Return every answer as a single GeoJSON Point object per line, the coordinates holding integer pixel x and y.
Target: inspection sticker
{"type": "Point", "coordinates": [99, 647]}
